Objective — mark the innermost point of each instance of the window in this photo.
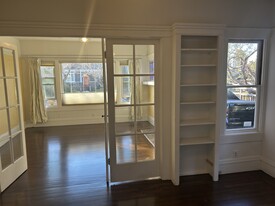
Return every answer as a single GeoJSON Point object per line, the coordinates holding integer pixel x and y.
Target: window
{"type": "Point", "coordinates": [48, 85]}
{"type": "Point", "coordinates": [82, 83]}
{"type": "Point", "coordinates": [244, 66]}
{"type": "Point", "coordinates": [125, 84]}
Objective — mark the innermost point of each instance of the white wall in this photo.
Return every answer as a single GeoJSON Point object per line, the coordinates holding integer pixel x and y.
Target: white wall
{"type": "Point", "coordinates": [60, 47]}
{"type": "Point", "coordinates": [269, 138]}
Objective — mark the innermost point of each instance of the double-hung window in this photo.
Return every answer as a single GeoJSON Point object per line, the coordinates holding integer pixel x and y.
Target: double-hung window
{"type": "Point", "coordinates": [243, 82]}
{"type": "Point", "coordinates": [48, 84]}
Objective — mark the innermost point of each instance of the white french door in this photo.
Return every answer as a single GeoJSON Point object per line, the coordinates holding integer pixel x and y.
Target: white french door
{"type": "Point", "coordinates": [133, 126]}
{"type": "Point", "coordinates": [13, 160]}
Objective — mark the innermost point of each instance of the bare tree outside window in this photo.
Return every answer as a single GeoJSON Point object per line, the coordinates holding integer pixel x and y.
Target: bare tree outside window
{"type": "Point", "coordinates": [241, 63]}
{"type": "Point", "coordinates": [243, 75]}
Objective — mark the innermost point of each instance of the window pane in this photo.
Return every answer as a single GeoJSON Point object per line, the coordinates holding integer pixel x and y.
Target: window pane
{"type": "Point", "coordinates": [125, 69]}
{"type": "Point", "coordinates": [144, 59]}
{"type": "Point", "coordinates": [145, 147]}
{"type": "Point", "coordinates": [145, 90]}
{"type": "Point", "coordinates": [12, 92]}
{"type": "Point", "coordinates": [17, 146]}
{"type": "Point", "coordinates": [124, 90]}
{"type": "Point", "coordinates": [125, 149]}
{"type": "Point", "coordinates": [82, 77]}
{"type": "Point", "coordinates": [47, 71]}
{"type": "Point", "coordinates": [242, 63]}
{"type": "Point", "coordinates": [145, 116]}
{"type": "Point", "coordinates": [48, 81]}
{"type": "Point", "coordinates": [4, 129]}
{"type": "Point", "coordinates": [124, 120]}
{"type": "Point", "coordinates": [9, 62]}
{"type": "Point", "coordinates": [2, 94]}
{"type": "Point", "coordinates": [14, 119]}
{"type": "Point", "coordinates": [49, 91]}
{"type": "Point", "coordinates": [5, 153]}
{"type": "Point", "coordinates": [240, 112]}
{"type": "Point", "coordinates": [48, 85]}
{"type": "Point", "coordinates": [125, 52]}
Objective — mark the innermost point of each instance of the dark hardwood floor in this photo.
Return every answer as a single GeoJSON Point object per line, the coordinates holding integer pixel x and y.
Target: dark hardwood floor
{"type": "Point", "coordinates": [66, 167]}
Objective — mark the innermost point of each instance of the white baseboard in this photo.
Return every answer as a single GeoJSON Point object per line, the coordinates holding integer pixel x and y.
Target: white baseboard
{"type": "Point", "coordinates": [66, 122]}
{"type": "Point", "coordinates": [268, 166]}
{"type": "Point", "coordinates": [77, 121]}
{"type": "Point", "coordinates": [193, 172]}
{"type": "Point", "coordinates": [240, 164]}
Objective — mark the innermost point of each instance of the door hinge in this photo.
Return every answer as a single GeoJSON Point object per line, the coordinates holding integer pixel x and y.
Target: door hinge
{"type": "Point", "coordinates": [109, 161]}
{"type": "Point", "coordinates": [105, 54]}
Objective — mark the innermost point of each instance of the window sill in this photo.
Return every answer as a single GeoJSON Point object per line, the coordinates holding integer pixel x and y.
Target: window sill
{"type": "Point", "coordinates": [243, 131]}
{"type": "Point", "coordinates": [239, 136]}
{"type": "Point", "coordinates": [75, 107]}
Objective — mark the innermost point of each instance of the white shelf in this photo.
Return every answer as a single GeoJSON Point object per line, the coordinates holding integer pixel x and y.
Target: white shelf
{"type": "Point", "coordinates": [197, 102]}
{"type": "Point", "coordinates": [196, 141]}
{"type": "Point", "coordinates": [194, 122]}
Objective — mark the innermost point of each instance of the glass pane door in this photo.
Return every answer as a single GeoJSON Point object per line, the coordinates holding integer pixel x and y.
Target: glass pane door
{"type": "Point", "coordinates": [133, 139]}
{"type": "Point", "coordinates": [12, 148]}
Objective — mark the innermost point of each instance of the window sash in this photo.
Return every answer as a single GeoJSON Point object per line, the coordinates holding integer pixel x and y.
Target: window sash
{"type": "Point", "coordinates": [256, 85]}
{"type": "Point", "coordinates": [52, 78]}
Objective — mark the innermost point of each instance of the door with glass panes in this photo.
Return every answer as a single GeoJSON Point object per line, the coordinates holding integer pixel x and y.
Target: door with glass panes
{"type": "Point", "coordinates": [13, 160]}
{"type": "Point", "coordinates": [133, 121]}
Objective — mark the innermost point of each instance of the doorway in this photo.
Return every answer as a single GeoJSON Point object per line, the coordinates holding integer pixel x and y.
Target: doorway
{"type": "Point", "coordinates": [131, 120]}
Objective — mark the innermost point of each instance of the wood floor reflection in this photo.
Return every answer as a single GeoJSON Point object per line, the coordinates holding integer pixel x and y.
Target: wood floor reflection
{"type": "Point", "coordinates": [131, 148]}
{"type": "Point", "coordinates": [66, 167]}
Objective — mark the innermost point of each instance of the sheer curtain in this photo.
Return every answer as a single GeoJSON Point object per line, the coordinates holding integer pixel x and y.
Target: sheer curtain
{"type": "Point", "coordinates": [38, 112]}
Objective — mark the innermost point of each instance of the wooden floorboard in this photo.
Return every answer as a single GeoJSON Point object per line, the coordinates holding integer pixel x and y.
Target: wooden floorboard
{"type": "Point", "coordinates": [66, 167]}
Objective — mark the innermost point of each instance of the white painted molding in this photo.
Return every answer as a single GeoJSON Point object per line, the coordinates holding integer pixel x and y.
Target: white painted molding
{"type": "Point", "coordinates": [66, 122]}
{"type": "Point", "coordinates": [193, 172]}
{"type": "Point", "coordinates": [197, 26]}
{"type": "Point", "coordinates": [239, 164]}
{"type": "Point", "coordinates": [193, 29]}
{"type": "Point", "coordinates": [268, 166]}
{"type": "Point", "coordinates": [16, 28]}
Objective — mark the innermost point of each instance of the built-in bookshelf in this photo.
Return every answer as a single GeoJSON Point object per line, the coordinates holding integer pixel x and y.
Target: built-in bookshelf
{"type": "Point", "coordinates": [197, 104]}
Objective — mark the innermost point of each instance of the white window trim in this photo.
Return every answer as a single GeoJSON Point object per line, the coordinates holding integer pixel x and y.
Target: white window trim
{"type": "Point", "coordinates": [247, 34]}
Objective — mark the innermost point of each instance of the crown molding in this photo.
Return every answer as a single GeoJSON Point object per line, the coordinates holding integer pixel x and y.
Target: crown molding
{"type": "Point", "coordinates": [192, 29]}
{"type": "Point", "coordinates": [16, 28]}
